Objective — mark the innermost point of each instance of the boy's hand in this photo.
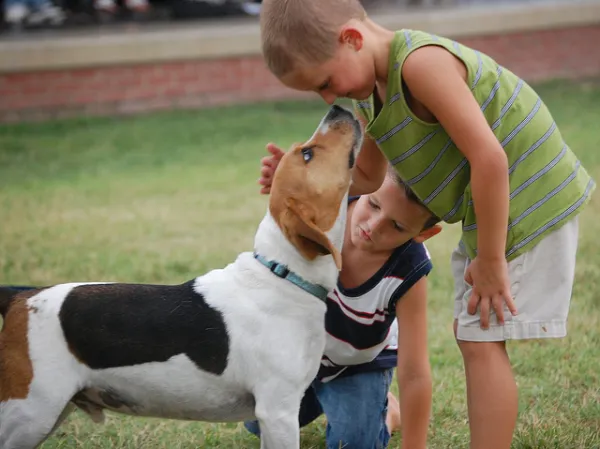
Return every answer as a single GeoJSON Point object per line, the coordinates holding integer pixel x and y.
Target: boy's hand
{"type": "Point", "coordinates": [269, 165]}
{"type": "Point", "coordinates": [491, 287]}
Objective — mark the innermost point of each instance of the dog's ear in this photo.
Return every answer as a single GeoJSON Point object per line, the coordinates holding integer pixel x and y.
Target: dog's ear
{"type": "Point", "coordinates": [301, 230]}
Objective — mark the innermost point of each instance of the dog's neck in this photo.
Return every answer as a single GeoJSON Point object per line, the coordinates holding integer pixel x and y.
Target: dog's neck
{"type": "Point", "coordinates": [271, 243]}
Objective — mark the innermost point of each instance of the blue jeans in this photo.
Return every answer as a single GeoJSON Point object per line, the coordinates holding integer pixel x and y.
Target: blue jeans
{"type": "Point", "coordinates": [355, 407]}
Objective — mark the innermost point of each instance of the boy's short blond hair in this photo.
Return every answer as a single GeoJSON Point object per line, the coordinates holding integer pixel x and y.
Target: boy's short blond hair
{"type": "Point", "coordinates": [297, 32]}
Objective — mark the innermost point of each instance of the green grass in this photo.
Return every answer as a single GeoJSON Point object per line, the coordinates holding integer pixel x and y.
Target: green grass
{"type": "Point", "coordinates": [166, 197]}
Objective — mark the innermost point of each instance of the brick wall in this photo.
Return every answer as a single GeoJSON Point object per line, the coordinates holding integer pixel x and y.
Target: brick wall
{"type": "Point", "coordinates": [534, 55]}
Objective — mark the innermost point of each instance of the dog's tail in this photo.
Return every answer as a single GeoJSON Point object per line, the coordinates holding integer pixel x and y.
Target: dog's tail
{"type": "Point", "coordinates": [8, 293]}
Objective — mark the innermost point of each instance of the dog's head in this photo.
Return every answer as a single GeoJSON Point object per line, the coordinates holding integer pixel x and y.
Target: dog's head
{"type": "Point", "coordinates": [311, 182]}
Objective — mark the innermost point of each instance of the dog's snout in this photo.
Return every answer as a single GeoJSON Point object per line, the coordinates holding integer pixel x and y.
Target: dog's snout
{"type": "Point", "coordinates": [338, 113]}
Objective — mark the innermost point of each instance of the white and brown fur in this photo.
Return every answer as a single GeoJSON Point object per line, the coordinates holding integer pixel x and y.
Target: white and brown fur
{"type": "Point", "coordinates": [235, 344]}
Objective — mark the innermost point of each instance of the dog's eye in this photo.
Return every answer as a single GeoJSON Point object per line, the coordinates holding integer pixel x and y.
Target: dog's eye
{"type": "Point", "coordinates": [307, 154]}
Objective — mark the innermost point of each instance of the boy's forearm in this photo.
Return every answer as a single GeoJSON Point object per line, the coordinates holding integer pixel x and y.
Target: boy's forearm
{"type": "Point", "coordinates": [370, 169]}
{"type": "Point", "coordinates": [490, 190]}
{"type": "Point", "coordinates": [415, 409]}
{"type": "Point", "coordinates": [370, 166]}
{"type": "Point", "coordinates": [361, 184]}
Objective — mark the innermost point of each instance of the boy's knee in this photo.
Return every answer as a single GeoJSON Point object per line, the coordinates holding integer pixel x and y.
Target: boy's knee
{"type": "Point", "coordinates": [252, 427]}
{"type": "Point", "coordinates": [352, 439]}
{"type": "Point", "coordinates": [358, 436]}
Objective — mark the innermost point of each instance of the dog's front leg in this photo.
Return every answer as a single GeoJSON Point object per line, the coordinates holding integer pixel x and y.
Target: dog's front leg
{"type": "Point", "coordinates": [280, 432]}
{"type": "Point", "coordinates": [278, 419]}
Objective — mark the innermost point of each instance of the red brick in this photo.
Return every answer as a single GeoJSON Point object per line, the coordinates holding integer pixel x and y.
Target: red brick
{"type": "Point", "coordinates": [137, 106]}
{"type": "Point", "coordinates": [173, 90]}
{"type": "Point", "coordinates": [85, 74]}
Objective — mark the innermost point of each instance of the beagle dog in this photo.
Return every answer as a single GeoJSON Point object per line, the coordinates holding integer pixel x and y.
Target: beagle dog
{"type": "Point", "coordinates": [238, 343]}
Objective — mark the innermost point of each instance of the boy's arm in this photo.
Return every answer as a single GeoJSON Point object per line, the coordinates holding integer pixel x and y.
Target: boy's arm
{"type": "Point", "coordinates": [437, 79]}
{"type": "Point", "coordinates": [414, 372]}
{"type": "Point", "coordinates": [371, 165]}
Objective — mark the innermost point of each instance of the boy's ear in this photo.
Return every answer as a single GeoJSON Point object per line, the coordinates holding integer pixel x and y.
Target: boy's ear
{"type": "Point", "coordinates": [426, 234]}
{"type": "Point", "coordinates": [351, 36]}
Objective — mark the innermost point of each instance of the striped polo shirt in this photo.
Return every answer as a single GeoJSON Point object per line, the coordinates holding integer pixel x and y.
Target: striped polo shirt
{"type": "Point", "coordinates": [548, 184]}
{"type": "Point", "coordinates": [362, 331]}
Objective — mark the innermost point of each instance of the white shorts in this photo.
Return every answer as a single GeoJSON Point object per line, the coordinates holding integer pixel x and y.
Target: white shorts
{"type": "Point", "coordinates": [541, 285]}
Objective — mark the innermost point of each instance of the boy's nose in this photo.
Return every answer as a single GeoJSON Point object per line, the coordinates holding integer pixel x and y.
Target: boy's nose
{"type": "Point", "coordinates": [375, 224]}
{"type": "Point", "coordinates": [328, 97]}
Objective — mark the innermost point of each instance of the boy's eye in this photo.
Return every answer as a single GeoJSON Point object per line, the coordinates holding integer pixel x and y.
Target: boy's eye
{"type": "Point", "coordinates": [373, 205]}
{"type": "Point", "coordinates": [398, 227]}
{"type": "Point", "coordinates": [307, 154]}
{"type": "Point", "coordinates": [324, 86]}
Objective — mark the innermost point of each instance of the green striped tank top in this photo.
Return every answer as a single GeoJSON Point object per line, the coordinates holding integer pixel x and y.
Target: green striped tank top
{"type": "Point", "coordinates": [548, 185]}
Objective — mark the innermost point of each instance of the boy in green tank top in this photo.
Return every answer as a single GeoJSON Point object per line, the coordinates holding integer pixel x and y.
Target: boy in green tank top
{"type": "Point", "coordinates": [476, 145]}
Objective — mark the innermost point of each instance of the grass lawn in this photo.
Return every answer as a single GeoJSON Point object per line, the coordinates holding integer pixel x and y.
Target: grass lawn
{"type": "Point", "coordinates": [166, 197]}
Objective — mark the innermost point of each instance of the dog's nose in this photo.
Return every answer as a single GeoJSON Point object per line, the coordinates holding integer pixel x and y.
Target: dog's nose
{"type": "Point", "coordinates": [339, 113]}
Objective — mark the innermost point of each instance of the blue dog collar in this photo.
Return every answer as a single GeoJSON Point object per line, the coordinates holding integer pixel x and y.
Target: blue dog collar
{"type": "Point", "coordinates": [283, 272]}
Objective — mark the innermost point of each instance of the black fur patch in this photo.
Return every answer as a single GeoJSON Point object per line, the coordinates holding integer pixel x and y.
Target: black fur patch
{"type": "Point", "coordinates": [7, 296]}
{"type": "Point", "coordinates": [113, 325]}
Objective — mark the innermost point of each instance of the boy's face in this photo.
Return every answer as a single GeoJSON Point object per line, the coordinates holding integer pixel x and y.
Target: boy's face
{"type": "Point", "coordinates": [386, 219]}
{"type": "Point", "coordinates": [350, 73]}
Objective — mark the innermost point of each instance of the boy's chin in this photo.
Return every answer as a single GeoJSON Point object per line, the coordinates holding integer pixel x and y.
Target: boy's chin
{"type": "Point", "coordinates": [360, 96]}
{"type": "Point", "coordinates": [365, 93]}
{"type": "Point", "coordinates": [360, 243]}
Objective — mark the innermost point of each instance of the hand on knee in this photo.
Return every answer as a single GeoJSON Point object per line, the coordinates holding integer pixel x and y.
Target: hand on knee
{"type": "Point", "coordinates": [355, 436]}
